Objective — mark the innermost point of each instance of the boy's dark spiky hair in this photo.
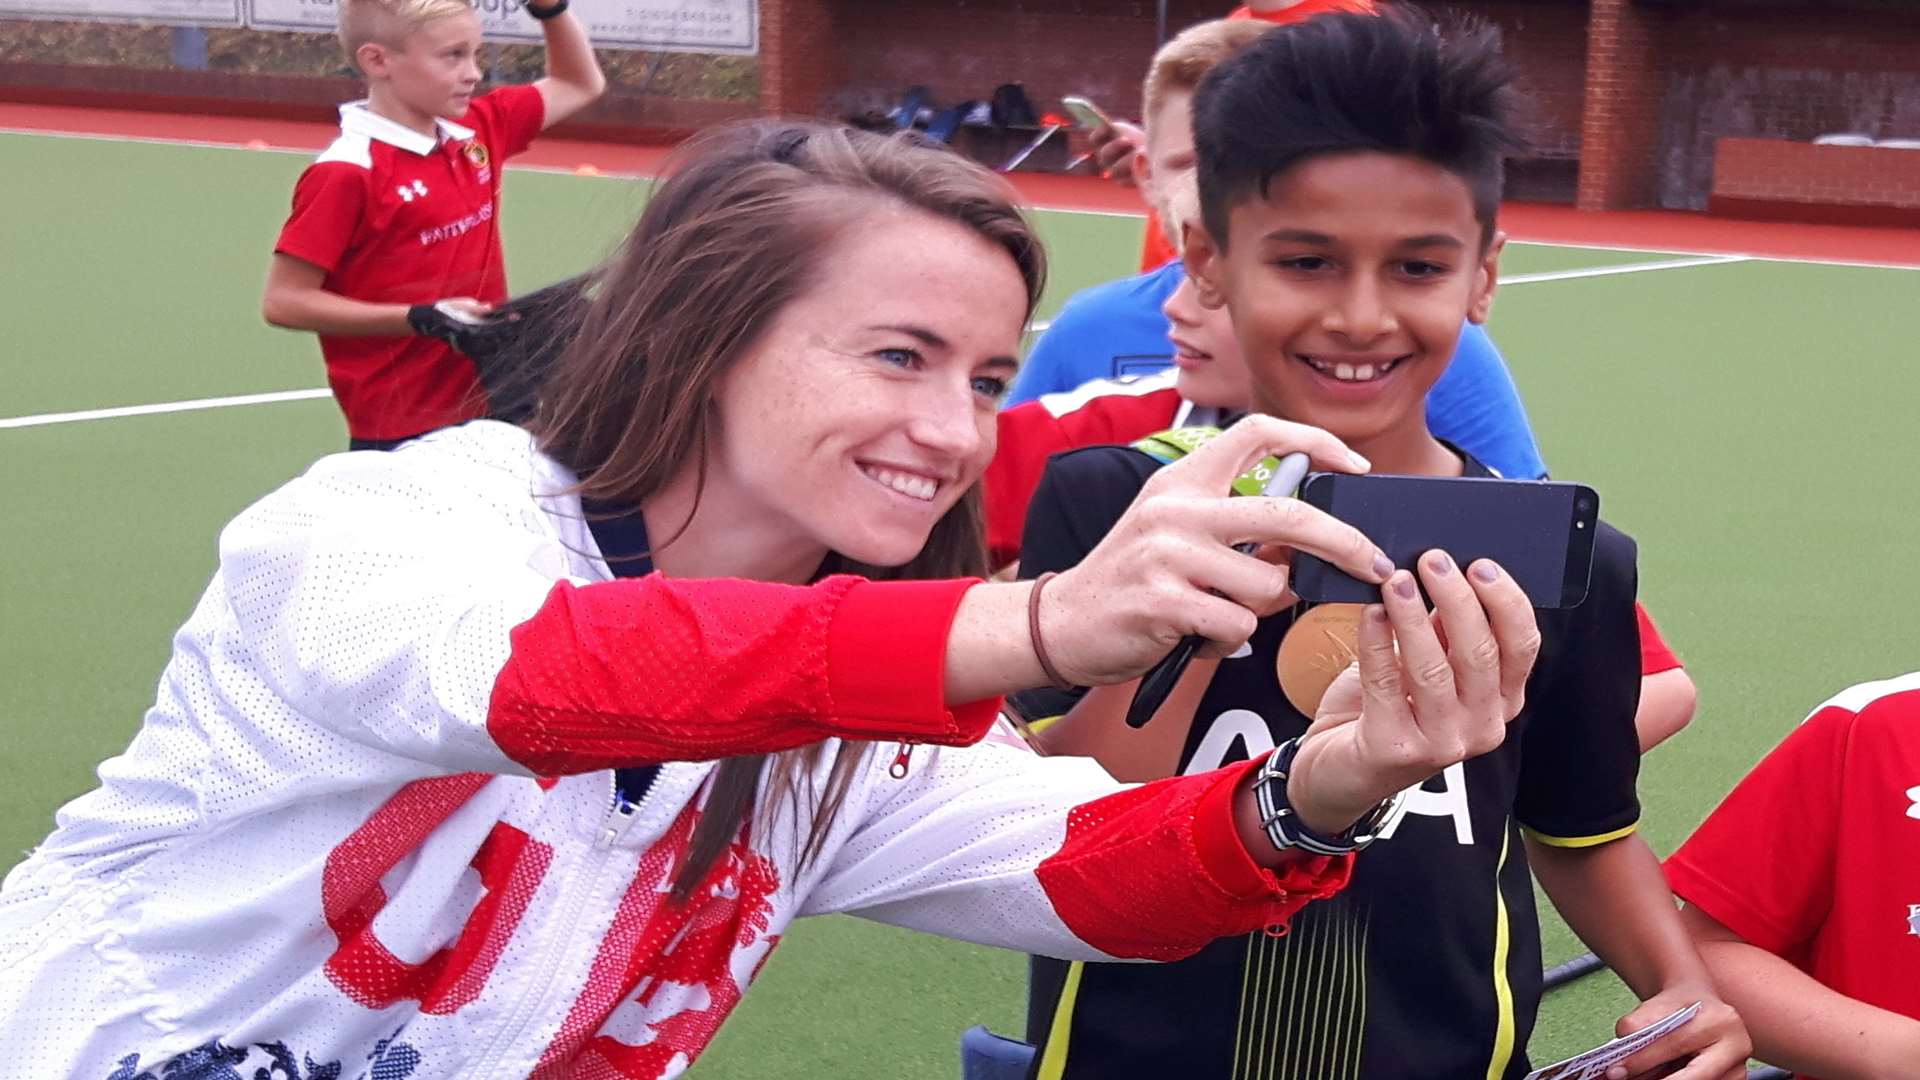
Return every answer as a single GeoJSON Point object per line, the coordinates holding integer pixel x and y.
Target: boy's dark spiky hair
{"type": "Point", "coordinates": [1393, 83]}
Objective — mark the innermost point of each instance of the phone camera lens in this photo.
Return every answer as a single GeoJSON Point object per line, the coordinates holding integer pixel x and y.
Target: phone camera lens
{"type": "Point", "coordinates": [1584, 505]}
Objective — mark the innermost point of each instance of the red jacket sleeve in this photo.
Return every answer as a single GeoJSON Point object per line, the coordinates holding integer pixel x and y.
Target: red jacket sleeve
{"type": "Point", "coordinates": [507, 119]}
{"type": "Point", "coordinates": [329, 202]}
{"type": "Point", "coordinates": [1655, 655]}
{"type": "Point", "coordinates": [648, 670]}
{"type": "Point", "coordinates": [1762, 863]}
{"type": "Point", "coordinates": [1167, 854]}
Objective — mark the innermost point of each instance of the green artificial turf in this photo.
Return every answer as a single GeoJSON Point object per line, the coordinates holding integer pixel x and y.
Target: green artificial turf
{"type": "Point", "coordinates": [1749, 422]}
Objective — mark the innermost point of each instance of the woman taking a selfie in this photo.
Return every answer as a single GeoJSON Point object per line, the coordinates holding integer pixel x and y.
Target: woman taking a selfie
{"type": "Point", "coordinates": [513, 753]}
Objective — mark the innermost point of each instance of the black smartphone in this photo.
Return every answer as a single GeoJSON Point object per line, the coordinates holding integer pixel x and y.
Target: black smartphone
{"type": "Point", "coordinates": [1539, 531]}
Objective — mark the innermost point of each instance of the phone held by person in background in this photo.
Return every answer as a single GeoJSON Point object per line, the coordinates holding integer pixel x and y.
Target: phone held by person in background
{"type": "Point", "coordinates": [1084, 112]}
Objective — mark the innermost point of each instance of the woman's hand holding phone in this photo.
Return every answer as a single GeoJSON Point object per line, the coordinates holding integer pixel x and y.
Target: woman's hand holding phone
{"type": "Point", "coordinates": [1430, 689]}
{"type": "Point", "coordinates": [1168, 569]}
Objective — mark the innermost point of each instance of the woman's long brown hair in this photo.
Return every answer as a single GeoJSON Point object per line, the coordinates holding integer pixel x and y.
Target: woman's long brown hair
{"type": "Point", "coordinates": [736, 234]}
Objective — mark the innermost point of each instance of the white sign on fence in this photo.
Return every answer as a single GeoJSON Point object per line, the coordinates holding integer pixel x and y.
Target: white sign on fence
{"type": "Point", "coordinates": [173, 12]}
{"type": "Point", "coordinates": [701, 26]}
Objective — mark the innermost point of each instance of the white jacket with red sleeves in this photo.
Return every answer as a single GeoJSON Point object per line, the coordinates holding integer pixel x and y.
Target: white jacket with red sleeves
{"type": "Point", "coordinates": [369, 827]}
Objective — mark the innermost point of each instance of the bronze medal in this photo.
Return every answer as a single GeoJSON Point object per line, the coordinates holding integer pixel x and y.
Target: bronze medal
{"type": "Point", "coordinates": [1319, 645]}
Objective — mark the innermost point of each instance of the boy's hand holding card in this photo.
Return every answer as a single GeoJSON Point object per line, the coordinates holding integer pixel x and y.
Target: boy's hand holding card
{"type": "Point", "coordinates": [1593, 1064]}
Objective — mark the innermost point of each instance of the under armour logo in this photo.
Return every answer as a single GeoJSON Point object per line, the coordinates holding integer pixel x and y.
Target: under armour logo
{"type": "Point", "coordinates": [1914, 794]}
{"type": "Point", "coordinates": [408, 192]}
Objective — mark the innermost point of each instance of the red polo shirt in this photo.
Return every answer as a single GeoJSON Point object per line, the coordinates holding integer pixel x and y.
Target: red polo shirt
{"type": "Point", "coordinates": [1815, 856]}
{"type": "Point", "coordinates": [396, 216]}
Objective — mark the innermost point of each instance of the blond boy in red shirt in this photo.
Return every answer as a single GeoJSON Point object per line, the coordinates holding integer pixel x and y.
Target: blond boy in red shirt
{"type": "Point", "coordinates": [395, 228]}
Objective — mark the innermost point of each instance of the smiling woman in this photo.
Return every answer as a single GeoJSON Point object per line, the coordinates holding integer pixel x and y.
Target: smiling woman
{"type": "Point", "coordinates": [458, 771]}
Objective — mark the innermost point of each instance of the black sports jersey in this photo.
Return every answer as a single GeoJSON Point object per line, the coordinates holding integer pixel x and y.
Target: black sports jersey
{"type": "Point", "coordinates": [1428, 964]}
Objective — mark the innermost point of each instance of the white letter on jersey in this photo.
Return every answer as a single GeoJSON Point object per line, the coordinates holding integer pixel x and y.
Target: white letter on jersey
{"type": "Point", "coordinates": [1246, 728]}
{"type": "Point", "coordinates": [1914, 794]}
{"type": "Point", "coordinates": [1449, 801]}
{"type": "Point", "coordinates": [1234, 725]}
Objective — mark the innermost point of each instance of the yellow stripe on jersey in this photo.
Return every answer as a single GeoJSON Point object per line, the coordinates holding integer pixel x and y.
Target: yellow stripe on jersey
{"type": "Point", "coordinates": [1053, 1061]}
{"type": "Point", "coordinates": [1503, 1029]}
{"type": "Point", "coordinates": [1582, 841]}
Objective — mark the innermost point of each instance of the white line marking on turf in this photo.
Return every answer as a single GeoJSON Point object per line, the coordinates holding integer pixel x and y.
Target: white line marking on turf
{"type": "Point", "coordinates": [163, 407]}
{"type": "Point", "coordinates": [204, 144]}
{"type": "Point", "coordinates": [1622, 268]}
{"type": "Point", "coordinates": [1050, 207]}
{"type": "Point", "coordinates": [1808, 260]}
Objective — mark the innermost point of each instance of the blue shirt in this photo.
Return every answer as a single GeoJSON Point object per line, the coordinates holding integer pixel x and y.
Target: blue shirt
{"type": "Point", "coordinates": [1117, 328]}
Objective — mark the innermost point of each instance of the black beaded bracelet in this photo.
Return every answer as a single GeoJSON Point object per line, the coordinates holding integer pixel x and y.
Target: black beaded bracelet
{"type": "Point", "coordinates": [545, 13]}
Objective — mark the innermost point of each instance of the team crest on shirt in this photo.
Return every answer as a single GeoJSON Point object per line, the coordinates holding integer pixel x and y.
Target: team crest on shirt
{"type": "Point", "coordinates": [476, 152]}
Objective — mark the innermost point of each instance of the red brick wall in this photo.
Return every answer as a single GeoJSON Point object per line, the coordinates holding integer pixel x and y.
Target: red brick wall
{"type": "Point", "coordinates": [1779, 178]}
{"type": "Point", "coordinates": [1747, 73]}
{"type": "Point", "coordinates": [802, 59]}
{"type": "Point", "coordinates": [962, 49]}
{"type": "Point", "coordinates": [1548, 43]}
{"type": "Point", "coordinates": [1619, 144]}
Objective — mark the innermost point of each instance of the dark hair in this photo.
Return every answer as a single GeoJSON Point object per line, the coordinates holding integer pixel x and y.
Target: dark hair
{"type": "Point", "coordinates": [737, 232]}
{"type": "Point", "coordinates": [1392, 83]}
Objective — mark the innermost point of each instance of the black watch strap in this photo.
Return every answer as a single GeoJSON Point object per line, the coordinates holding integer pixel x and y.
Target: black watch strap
{"type": "Point", "coordinates": [545, 13]}
{"type": "Point", "coordinates": [1284, 827]}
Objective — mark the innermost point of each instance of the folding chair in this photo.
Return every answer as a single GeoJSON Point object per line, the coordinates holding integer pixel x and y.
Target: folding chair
{"type": "Point", "coordinates": [907, 113]}
{"type": "Point", "coordinates": [986, 1056]}
{"type": "Point", "coordinates": [947, 121]}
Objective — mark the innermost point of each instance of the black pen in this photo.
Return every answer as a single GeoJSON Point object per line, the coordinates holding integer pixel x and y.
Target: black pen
{"type": "Point", "coordinates": [1158, 682]}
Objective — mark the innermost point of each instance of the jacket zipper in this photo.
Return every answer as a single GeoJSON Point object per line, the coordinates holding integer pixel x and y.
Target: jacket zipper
{"type": "Point", "coordinates": [898, 770]}
{"type": "Point", "coordinates": [619, 818]}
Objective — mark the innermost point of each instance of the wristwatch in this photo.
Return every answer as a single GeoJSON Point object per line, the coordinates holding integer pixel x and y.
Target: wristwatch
{"type": "Point", "coordinates": [547, 12]}
{"type": "Point", "coordinates": [1285, 828]}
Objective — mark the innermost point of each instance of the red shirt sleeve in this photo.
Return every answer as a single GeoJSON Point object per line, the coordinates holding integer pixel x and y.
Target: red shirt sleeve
{"type": "Point", "coordinates": [329, 203]}
{"type": "Point", "coordinates": [507, 119]}
{"type": "Point", "coordinates": [1763, 862]}
{"type": "Point", "coordinates": [648, 670]}
{"type": "Point", "coordinates": [1655, 655]}
{"type": "Point", "coordinates": [1031, 432]}
{"type": "Point", "coordinates": [1029, 435]}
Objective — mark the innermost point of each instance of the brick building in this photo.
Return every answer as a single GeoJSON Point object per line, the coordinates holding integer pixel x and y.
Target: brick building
{"type": "Point", "coordinates": [1631, 97]}
{"type": "Point", "coordinates": [1688, 104]}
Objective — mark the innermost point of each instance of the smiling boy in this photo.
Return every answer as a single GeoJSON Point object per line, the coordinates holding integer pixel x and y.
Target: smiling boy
{"type": "Point", "coordinates": [1349, 178]}
{"type": "Point", "coordinates": [401, 212]}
